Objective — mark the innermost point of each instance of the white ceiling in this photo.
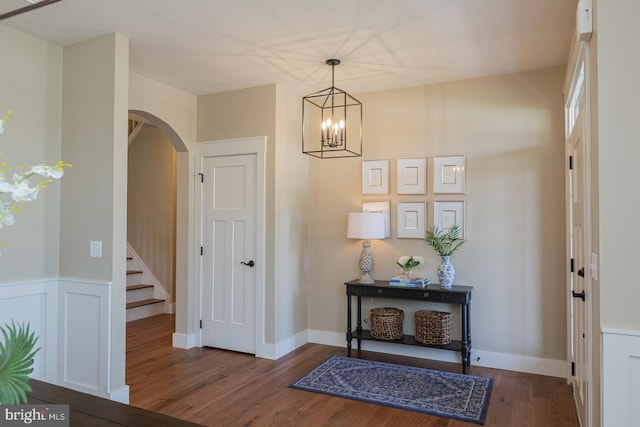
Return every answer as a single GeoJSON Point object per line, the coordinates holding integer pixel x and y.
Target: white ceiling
{"type": "Point", "coordinates": [206, 46]}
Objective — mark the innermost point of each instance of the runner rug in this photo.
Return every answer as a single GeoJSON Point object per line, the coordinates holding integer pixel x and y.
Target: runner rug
{"type": "Point", "coordinates": [445, 394]}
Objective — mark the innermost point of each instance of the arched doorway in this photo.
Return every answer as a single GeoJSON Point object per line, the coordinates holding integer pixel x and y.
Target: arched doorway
{"type": "Point", "coordinates": [178, 189]}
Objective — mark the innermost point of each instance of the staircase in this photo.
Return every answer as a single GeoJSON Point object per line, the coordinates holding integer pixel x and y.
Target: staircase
{"type": "Point", "coordinates": [143, 298]}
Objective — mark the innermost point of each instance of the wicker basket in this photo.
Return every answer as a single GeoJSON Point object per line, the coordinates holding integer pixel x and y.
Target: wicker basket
{"type": "Point", "coordinates": [433, 327]}
{"type": "Point", "coordinates": [386, 323]}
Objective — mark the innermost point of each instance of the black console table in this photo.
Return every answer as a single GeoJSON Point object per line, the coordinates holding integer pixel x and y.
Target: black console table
{"type": "Point", "coordinates": [433, 293]}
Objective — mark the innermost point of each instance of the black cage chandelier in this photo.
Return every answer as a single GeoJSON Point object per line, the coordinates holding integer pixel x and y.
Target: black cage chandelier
{"type": "Point", "coordinates": [331, 122]}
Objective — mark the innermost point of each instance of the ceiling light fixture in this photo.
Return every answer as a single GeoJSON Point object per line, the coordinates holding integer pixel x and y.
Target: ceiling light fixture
{"type": "Point", "coordinates": [331, 122]}
{"type": "Point", "coordinates": [35, 4]}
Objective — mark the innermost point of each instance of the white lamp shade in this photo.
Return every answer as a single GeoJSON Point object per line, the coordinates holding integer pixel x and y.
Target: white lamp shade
{"type": "Point", "coordinates": [366, 225]}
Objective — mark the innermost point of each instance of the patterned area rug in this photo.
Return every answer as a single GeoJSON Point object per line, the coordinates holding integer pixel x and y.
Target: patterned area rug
{"type": "Point", "coordinates": [445, 394]}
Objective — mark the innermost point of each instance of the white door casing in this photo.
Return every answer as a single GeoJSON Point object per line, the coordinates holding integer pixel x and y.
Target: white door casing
{"type": "Point", "coordinates": [578, 313]}
{"type": "Point", "coordinates": [230, 228]}
{"type": "Point", "coordinates": [581, 332]}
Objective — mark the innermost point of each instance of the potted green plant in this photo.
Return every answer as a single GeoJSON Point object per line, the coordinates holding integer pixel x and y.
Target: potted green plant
{"type": "Point", "coordinates": [17, 351]}
{"type": "Point", "coordinates": [445, 242]}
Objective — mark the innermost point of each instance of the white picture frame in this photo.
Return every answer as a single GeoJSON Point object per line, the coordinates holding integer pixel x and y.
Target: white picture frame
{"type": "Point", "coordinates": [449, 174]}
{"type": "Point", "coordinates": [448, 213]}
{"type": "Point", "coordinates": [375, 177]}
{"type": "Point", "coordinates": [385, 208]}
{"type": "Point", "coordinates": [411, 220]}
{"type": "Point", "coordinates": [411, 176]}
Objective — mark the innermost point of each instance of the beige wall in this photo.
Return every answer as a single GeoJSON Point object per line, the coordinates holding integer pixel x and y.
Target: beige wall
{"type": "Point", "coordinates": [91, 142]}
{"type": "Point", "coordinates": [274, 112]}
{"type": "Point", "coordinates": [596, 336]}
{"type": "Point", "coordinates": [151, 204]}
{"type": "Point", "coordinates": [31, 86]}
{"type": "Point", "coordinates": [240, 114]}
{"type": "Point", "coordinates": [174, 112]}
{"type": "Point", "coordinates": [94, 134]}
{"type": "Point", "coordinates": [510, 128]}
{"type": "Point", "coordinates": [615, 178]}
{"type": "Point", "coordinates": [291, 218]}
{"type": "Point", "coordinates": [618, 153]}
{"type": "Point", "coordinates": [175, 108]}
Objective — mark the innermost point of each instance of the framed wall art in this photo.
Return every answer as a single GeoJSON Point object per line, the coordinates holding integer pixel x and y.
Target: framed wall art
{"type": "Point", "coordinates": [448, 174]}
{"type": "Point", "coordinates": [375, 177]}
{"type": "Point", "coordinates": [412, 176]}
{"type": "Point", "coordinates": [446, 214]}
{"type": "Point", "coordinates": [385, 208]}
{"type": "Point", "coordinates": [411, 220]}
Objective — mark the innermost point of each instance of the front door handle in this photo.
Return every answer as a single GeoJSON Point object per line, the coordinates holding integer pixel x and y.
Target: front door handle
{"type": "Point", "coordinates": [581, 295]}
{"type": "Point", "coordinates": [581, 272]}
{"type": "Point", "coordinates": [250, 263]}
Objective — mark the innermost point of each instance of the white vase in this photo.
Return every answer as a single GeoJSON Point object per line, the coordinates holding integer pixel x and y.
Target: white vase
{"type": "Point", "coordinates": [446, 273]}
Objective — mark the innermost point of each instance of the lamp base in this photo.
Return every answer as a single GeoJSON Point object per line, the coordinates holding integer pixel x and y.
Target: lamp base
{"type": "Point", "coordinates": [365, 278]}
{"type": "Point", "coordinates": [366, 262]}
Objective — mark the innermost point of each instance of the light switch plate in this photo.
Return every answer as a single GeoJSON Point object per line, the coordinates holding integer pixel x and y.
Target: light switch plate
{"type": "Point", "coordinates": [95, 248]}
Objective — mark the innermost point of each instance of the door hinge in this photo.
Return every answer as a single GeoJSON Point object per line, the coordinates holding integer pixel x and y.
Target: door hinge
{"type": "Point", "coordinates": [201, 250]}
{"type": "Point", "coordinates": [570, 162]}
{"type": "Point", "coordinates": [200, 323]}
{"type": "Point", "coordinates": [201, 177]}
{"type": "Point", "coordinates": [572, 266]}
{"type": "Point", "coordinates": [573, 367]}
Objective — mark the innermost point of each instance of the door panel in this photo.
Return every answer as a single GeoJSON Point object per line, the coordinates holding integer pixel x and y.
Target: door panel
{"type": "Point", "coordinates": [229, 222]}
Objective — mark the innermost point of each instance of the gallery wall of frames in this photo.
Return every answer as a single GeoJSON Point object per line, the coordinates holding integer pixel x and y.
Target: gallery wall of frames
{"type": "Point", "coordinates": [429, 192]}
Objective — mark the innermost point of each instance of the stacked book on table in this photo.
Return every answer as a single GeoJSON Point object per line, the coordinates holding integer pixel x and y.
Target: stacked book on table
{"type": "Point", "coordinates": [414, 282]}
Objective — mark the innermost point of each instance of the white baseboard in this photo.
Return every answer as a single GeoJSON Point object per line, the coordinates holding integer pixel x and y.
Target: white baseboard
{"type": "Point", "coordinates": [487, 359]}
{"type": "Point", "coordinates": [120, 395]}
{"type": "Point", "coordinates": [290, 344]}
{"type": "Point", "coordinates": [266, 351]}
{"type": "Point", "coordinates": [519, 363]}
{"type": "Point", "coordinates": [185, 341]}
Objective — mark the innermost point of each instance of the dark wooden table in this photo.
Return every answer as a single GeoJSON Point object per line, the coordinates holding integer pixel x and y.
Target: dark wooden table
{"type": "Point", "coordinates": [460, 295]}
{"type": "Point", "coordinates": [91, 411]}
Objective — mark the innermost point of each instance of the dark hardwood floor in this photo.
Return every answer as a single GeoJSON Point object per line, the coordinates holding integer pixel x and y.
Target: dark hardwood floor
{"type": "Point", "coordinates": [223, 388]}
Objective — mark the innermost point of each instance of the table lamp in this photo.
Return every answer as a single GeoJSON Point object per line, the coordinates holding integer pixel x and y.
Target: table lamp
{"type": "Point", "coordinates": [366, 226]}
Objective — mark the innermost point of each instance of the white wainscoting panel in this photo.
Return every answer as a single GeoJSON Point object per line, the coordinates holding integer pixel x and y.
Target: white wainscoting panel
{"type": "Point", "coordinates": [35, 303]}
{"type": "Point", "coordinates": [84, 316]}
{"type": "Point", "coordinates": [620, 377]}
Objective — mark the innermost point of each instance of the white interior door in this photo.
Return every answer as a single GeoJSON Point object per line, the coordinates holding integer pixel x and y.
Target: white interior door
{"type": "Point", "coordinates": [228, 253]}
{"type": "Point", "coordinates": [579, 281]}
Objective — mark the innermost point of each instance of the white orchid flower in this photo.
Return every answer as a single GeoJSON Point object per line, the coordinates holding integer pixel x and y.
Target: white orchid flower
{"type": "Point", "coordinates": [54, 172]}
{"type": "Point", "coordinates": [22, 192]}
{"type": "Point", "coordinates": [19, 188]}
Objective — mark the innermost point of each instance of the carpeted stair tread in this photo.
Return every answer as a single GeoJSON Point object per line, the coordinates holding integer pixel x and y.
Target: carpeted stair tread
{"type": "Point", "coordinates": [144, 302]}
{"type": "Point", "coordinates": [136, 287]}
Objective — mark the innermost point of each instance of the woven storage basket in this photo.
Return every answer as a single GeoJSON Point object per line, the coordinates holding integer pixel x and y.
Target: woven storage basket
{"type": "Point", "coordinates": [433, 327]}
{"type": "Point", "coordinates": [386, 323]}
